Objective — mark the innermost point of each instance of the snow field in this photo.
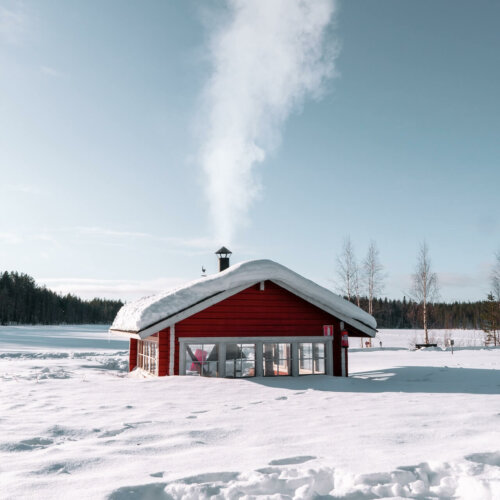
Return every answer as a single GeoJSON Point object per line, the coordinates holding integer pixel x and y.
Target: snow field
{"type": "Point", "coordinates": [418, 424]}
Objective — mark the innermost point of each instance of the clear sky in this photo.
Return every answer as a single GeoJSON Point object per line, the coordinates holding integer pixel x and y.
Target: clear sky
{"type": "Point", "coordinates": [102, 193]}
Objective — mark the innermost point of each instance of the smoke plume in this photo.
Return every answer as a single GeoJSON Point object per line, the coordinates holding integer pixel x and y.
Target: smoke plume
{"type": "Point", "coordinates": [266, 57]}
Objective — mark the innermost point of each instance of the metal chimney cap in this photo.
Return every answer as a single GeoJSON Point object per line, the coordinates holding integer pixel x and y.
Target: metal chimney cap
{"type": "Point", "coordinates": [223, 251]}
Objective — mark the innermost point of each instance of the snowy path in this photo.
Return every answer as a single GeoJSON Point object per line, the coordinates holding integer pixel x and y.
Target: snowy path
{"type": "Point", "coordinates": [406, 424]}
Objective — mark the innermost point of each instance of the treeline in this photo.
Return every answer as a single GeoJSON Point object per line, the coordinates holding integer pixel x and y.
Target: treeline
{"type": "Point", "coordinates": [391, 313]}
{"type": "Point", "coordinates": [22, 301]}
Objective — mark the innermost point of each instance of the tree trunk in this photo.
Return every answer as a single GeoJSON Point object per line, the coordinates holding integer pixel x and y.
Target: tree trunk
{"type": "Point", "coordinates": [425, 324]}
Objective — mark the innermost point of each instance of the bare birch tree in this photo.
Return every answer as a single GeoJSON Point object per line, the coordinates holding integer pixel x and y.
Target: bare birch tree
{"type": "Point", "coordinates": [425, 284]}
{"type": "Point", "coordinates": [373, 275]}
{"type": "Point", "coordinates": [357, 284]}
{"type": "Point", "coordinates": [347, 271]}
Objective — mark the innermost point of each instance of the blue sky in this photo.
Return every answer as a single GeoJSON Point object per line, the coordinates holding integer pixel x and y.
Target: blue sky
{"type": "Point", "coordinates": [102, 192]}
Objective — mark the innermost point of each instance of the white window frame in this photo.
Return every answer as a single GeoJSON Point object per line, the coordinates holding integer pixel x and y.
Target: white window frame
{"type": "Point", "coordinates": [240, 360]}
{"type": "Point", "coordinates": [313, 359]}
{"type": "Point", "coordinates": [259, 342]}
{"type": "Point", "coordinates": [206, 362]}
{"type": "Point", "coordinates": [289, 358]}
{"type": "Point", "coordinates": [148, 355]}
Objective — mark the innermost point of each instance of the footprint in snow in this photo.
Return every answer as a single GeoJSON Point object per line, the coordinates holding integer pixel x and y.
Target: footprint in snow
{"type": "Point", "coordinates": [114, 432]}
{"type": "Point", "coordinates": [125, 427]}
{"type": "Point", "coordinates": [281, 398]}
{"type": "Point", "coordinates": [57, 468]}
{"type": "Point", "coordinates": [29, 444]}
{"type": "Point", "coordinates": [157, 474]}
{"type": "Point", "coordinates": [192, 416]}
{"type": "Point", "coordinates": [150, 490]}
{"type": "Point", "coordinates": [210, 477]}
{"type": "Point", "coordinates": [292, 460]}
{"type": "Point", "coordinates": [485, 458]}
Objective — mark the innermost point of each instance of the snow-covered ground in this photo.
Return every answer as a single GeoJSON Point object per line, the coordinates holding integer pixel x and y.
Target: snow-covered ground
{"type": "Point", "coordinates": [75, 424]}
{"type": "Point", "coordinates": [408, 338]}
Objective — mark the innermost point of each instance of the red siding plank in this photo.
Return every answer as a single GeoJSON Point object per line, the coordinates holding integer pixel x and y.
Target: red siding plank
{"type": "Point", "coordinates": [164, 352]}
{"type": "Point", "coordinates": [132, 361]}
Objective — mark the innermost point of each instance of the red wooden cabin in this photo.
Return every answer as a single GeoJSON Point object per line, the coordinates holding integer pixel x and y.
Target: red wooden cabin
{"type": "Point", "coordinates": [256, 318]}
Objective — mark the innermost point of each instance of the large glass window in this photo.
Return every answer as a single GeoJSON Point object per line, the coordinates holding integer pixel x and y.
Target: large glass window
{"type": "Point", "coordinates": [202, 359]}
{"type": "Point", "coordinates": [312, 358]}
{"type": "Point", "coordinates": [240, 360]}
{"type": "Point", "coordinates": [277, 359]}
{"type": "Point", "coordinates": [147, 355]}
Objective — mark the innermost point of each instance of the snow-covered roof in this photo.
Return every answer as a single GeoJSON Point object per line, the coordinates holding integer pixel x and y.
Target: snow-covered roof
{"type": "Point", "coordinates": [140, 315]}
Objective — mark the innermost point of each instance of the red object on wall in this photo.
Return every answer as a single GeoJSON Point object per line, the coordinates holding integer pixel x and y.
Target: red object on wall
{"type": "Point", "coordinates": [345, 339]}
{"type": "Point", "coordinates": [132, 360]}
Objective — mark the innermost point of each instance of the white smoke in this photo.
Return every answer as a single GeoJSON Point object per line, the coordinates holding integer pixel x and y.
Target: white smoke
{"type": "Point", "coordinates": [266, 58]}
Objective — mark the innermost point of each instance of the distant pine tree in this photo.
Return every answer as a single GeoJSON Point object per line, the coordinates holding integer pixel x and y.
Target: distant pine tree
{"type": "Point", "coordinates": [490, 320]}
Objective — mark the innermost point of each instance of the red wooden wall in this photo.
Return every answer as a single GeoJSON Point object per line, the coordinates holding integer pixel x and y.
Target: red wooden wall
{"type": "Point", "coordinates": [164, 354]}
{"type": "Point", "coordinates": [132, 360]}
{"type": "Point", "coordinates": [273, 311]}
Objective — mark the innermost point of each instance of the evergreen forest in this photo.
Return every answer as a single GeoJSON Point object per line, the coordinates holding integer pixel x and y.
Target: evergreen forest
{"type": "Point", "coordinates": [395, 313]}
{"type": "Point", "coordinates": [22, 301]}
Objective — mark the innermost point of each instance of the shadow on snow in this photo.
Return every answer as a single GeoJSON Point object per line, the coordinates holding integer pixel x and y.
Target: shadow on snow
{"type": "Point", "coordinates": [410, 379]}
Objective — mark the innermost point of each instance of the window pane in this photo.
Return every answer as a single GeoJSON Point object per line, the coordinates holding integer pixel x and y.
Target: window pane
{"type": "Point", "coordinates": [232, 351]}
{"type": "Point", "coordinates": [306, 367]}
{"type": "Point", "coordinates": [319, 350]}
{"type": "Point", "coordinates": [193, 359]}
{"type": "Point", "coordinates": [240, 360]}
{"type": "Point", "coordinates": [202, 359]}
{"type": "Point", "coordinates": [193, 368]}
{"type": "Point", "coordinates": [230, 368]}
{"type": "Point", "coordinates": [305, 351]}
{"type": "Point", "coordinates": [210, 362]}
{"type": "Point", "coordinates": [212, 352]}
{"type": "Point", "coordinates": [248, 351]}
{"type": "Point", "coordinates": [319, 366]}
{"type": "Point", "coordinates": [209, 369]}
{"type": "Point", "coordinates": [248, 368]}
{"type": "Point", "coordinates": [276, 359]}
{"type": "Point", "coordinates": [268, 359]}
{"type": "Point", "coordinates": [284, 366]}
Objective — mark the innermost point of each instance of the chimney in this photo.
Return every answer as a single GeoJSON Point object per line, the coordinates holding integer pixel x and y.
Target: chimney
{"type": "Point", "coordinates": [223, 254]}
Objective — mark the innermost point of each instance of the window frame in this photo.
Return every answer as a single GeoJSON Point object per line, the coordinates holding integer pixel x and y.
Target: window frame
{"type": "Point", "coordinates": [313, 358]}
{"type": "Point", "coordinates": [240, 359]}
{"type": "Point", "coordinates": [279, 359]}
{"type": "Point", "coordinates": [203, 364]}
{"type": "Point", "coordinates": [148, 355]}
